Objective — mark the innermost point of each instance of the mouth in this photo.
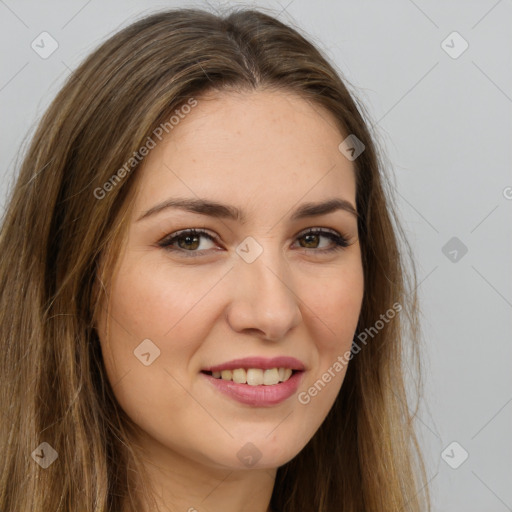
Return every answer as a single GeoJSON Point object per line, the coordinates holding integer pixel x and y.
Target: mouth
{"type": "Point", "coordinates": [256, 381]}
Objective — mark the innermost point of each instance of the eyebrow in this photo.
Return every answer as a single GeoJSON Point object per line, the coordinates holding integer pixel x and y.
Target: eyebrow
{"type": "Point", "coordinates": [219, 210]}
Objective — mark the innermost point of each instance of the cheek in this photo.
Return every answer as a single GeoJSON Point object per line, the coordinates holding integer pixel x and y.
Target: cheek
{"type": "Point", "coordinates": [336, 302]}
{"type": "Point", "coordinates": [146, 305]}
{"type": "Point", "coordinates": [155, 301]}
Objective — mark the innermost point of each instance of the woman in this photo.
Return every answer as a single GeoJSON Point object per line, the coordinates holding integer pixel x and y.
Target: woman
{"type": "Point", "coordinates": [203, 298]}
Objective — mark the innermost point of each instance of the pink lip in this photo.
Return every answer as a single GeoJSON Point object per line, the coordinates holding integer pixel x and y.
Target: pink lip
{"type": "Point", "coordinates": [258, 396]}
{"type": "Point", "coordinates": [258, 362]}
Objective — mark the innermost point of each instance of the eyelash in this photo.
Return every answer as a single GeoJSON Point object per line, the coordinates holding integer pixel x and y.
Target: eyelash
{"type": "Point", "coordinates": [339, 240]}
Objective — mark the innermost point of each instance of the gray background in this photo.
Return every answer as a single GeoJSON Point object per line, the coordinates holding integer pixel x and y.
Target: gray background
{"type": "Point", "coordinates": [446, 127]}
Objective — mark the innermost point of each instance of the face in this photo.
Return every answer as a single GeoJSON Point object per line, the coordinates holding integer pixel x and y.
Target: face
{"type": "Point", "coordinates": [203, 328]}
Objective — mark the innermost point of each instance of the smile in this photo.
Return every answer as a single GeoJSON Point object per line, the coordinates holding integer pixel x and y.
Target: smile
{"type": "Point", "coordinates": [257, 381]}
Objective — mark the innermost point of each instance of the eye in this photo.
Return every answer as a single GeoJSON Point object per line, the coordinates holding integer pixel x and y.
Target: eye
{"type": "Point", "coordinates": [313, 235]}
{"type": "Point", "coordinates": [188, 241]}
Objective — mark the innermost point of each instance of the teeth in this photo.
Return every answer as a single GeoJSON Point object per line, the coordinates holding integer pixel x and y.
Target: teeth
{"type": "Point", "coordinates": [271, 377]}
{"type": "Point", "coordinates": [239, 376]}
{"type": "Point", "coordinates": [255, 376]}
{"type": "Point", "coordinates": [226, 374]}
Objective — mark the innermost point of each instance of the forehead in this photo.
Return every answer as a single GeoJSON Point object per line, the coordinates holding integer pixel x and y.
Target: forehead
{"type": "Point", "coordinates": [257, 147]}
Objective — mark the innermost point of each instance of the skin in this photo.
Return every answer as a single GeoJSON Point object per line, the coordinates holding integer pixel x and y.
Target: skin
{"type": "Point", "coordinates": [265, 152]}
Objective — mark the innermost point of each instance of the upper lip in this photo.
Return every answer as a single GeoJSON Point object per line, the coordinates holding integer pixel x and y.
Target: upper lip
{"type": "Point", "coordinates": [258, 362]}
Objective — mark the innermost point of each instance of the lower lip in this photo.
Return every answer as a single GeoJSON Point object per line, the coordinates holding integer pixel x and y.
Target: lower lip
{"type": "Point", "coordinates": [258, 396]}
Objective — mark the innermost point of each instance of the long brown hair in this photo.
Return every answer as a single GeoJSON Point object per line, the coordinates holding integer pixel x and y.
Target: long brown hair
{"type": "Point", "coordinates": [60, 238]}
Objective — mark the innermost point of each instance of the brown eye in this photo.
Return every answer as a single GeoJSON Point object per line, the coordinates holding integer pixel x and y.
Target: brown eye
{"type": "Point", "coordinates": [188, 240]}
{"type": "Point", "coordinates": [313, 236]}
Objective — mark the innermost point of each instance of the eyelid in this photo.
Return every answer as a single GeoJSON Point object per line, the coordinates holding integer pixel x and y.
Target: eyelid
{"type": "Point", "coordinates": [194, 231]}
{"type": "Point", "coordinates": [314, 230]}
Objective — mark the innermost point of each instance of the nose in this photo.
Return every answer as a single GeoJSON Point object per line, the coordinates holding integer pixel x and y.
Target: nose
{"type": "Point", "coordinates": [264, 301]}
